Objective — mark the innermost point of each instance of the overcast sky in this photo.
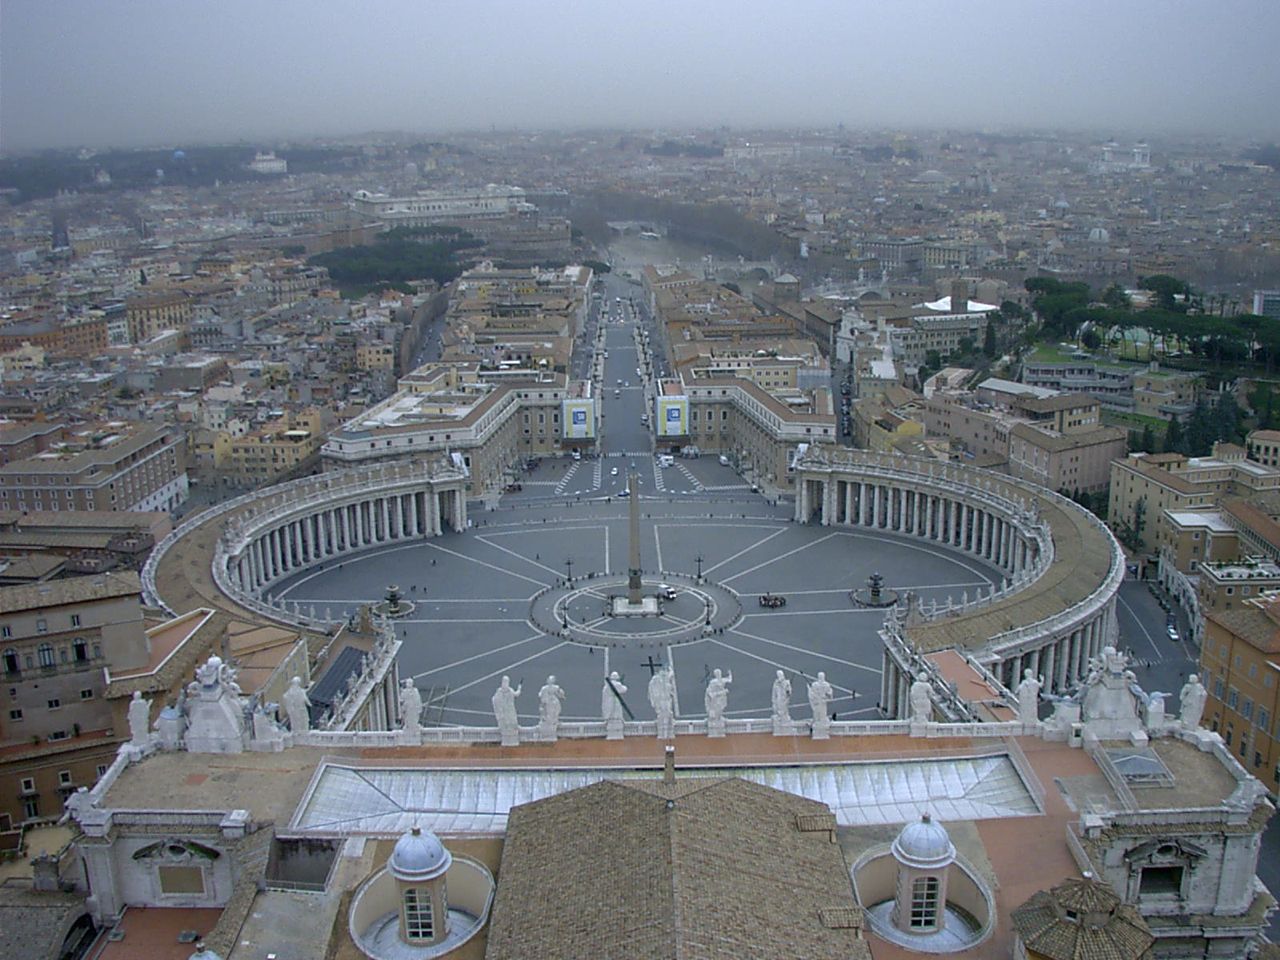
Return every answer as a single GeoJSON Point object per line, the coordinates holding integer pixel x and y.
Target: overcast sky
{"type": "Point", "coordinates": [169, 72]}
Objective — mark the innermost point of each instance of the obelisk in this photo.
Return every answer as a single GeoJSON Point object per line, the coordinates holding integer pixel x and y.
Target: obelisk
{"type": "Point", "coordinates": [633, 555]}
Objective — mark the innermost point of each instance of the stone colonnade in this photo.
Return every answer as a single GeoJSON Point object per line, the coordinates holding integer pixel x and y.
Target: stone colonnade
{"type": "Point", "coordinates": [951, 515]}
{"type": "Point", "coordinates": [300, 535]}
{"type": "Point", "coordinates": [994, 520]}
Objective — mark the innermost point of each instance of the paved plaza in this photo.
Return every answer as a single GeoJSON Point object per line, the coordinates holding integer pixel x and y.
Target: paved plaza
{"type": "Point", "coordinates": [493, 600]}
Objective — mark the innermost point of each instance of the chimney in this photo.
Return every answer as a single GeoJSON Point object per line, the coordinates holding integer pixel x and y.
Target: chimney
{"type": "Point", "coordinates": [669, 767]}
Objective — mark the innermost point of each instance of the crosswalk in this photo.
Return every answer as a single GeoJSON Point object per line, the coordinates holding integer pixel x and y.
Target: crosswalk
{"type": "Point", "coordinates": [564, 481]}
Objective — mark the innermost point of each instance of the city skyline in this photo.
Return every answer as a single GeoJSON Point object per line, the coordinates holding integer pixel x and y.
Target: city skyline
{"type": "Point", "coordinates": [82, 74]}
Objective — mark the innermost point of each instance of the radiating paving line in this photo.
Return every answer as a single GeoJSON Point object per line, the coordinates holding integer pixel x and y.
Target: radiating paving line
{"type": "Point", "coordinates": [747, 549]}
{"type": "Point", "coordinates": [795, 649]}
{"type": "Point", "coordinates": [781, 556]}
{"type": "Point", "coordinates": [477, 656]}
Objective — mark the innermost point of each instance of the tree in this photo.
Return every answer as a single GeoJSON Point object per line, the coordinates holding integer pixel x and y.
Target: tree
{"type": "Point", "coordinates": [1173, 437]}
{"type": "Point", "coordinates": [989, 347]}
{"type": "Point", "coordinates": [1091, 339]}
{"type": "Point", "coordinates": [1115, 297]}
{"type": "Point", "coordinates": [1148, 441]}
{"type": "Point", "coordinates": [1167, 290]}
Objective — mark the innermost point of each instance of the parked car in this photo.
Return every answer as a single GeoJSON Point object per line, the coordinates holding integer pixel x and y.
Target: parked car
{"type": "Point", "coordinates": [1172, 631]}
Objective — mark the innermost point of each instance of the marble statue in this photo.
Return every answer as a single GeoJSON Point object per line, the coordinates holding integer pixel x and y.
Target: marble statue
{"type": "Point", "coordinates": [410, 708]}
{"type": "Point", "coordinates": [217, 717]}
{"type": "Point", "coordinates": [662, 697]}
{"type": "Point", "coordinates": [504, 709]}
{"type": "Point", "coordinates": [1028, 694]}
{"type": "Point", "coordinates": [781, 701]}
{"type": "Point", "coordinates": [920, 696]}
{"type": "Point", "coordinates": [550, 699]}
{"type": "Point", "coordinates": [297, 706]}
{"type": "Point", "coordinates": [139, 720]}
{"type": "Point", "coordinates": [716, 699]}
{"type": "Point", "coordinates": [1191, 702]}
{"type": "Point", "coordinates": [820, 697]}
{"type": "Point", "coordinates": [267, 734]}
{"type": "Point", "coordinates": [611, 705]}
{"type": "Point", "coordinates": [74, 807]}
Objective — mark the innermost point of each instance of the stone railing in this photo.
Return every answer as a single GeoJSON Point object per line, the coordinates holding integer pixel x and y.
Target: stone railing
{"type": "Point", "coordinates": [595, 729]}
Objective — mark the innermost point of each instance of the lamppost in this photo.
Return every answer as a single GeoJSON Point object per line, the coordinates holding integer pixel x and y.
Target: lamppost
{"type": "Point", "coordinates": [568, 567]}
{"type": "Point", "coordinates": [698, 560]}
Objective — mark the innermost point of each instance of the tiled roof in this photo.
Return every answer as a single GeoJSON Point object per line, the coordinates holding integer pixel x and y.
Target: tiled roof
{"type": "Point", "coordinates": [1082, 920]}
{"type": "Point", "coordinates": [72, 590]}
{"type": "Point", "coordinates": [700, 869]}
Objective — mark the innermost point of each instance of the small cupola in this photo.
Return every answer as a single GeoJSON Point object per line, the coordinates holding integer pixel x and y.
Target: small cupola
{"type": "Point", "coordinates": [924, 853]}
{"type": "Point", "coordinates": [419, 863]}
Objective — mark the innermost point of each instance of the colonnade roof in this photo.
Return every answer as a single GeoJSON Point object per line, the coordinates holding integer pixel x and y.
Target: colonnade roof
{"type": "Point", "coordinates": [1082, 560]}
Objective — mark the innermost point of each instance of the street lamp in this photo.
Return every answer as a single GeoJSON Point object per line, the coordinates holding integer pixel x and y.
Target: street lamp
{"type": "Point", "coordinates": [568, 567]}
{"type": "Point", "coordinates": [698, 560]}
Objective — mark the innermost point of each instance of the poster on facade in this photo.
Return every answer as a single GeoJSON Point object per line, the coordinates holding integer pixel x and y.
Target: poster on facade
{"type": "Point", "coordinates": [672, 417]}
{"type": "Point", "coordinates": [579, 419]}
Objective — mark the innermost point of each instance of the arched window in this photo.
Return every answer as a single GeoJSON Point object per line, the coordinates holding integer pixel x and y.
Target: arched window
{"type": "Point", "coordinates": [924, 903]}
{"type": "Point", "coordinates": [418, 923]}
{"type": "Point", "coordinates": [11, 661]}
{"type": "Point", "coordinates": [45, 653]}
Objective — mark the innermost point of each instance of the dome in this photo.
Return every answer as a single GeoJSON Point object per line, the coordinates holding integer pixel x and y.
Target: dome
{"type": "Point", "coordinates": [924, 844]}
{"type": "Point", "coordinates": [1099, 235]}
{"type": "Point", "coordinates": [418, 856]}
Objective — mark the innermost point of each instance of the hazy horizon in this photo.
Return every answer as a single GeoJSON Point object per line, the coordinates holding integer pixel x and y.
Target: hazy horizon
{"type": "Point", "coordinates": [76, 72]}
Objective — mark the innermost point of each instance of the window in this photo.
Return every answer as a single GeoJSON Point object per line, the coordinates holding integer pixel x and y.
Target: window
{"type": "Point", "coordinates": [1247, 710]}
{"type": "Point", "coordinates": [86, 694]}
{"type": "Point", "coordinates": [42, 625]}
{"type": "Point", "coordinates": [924, 903]}
{"type": "Point", "coordinates": [64, 777]}
{"type": "Point", "coordinates": [1160, 881]}
{"type": "Point", "coordinates": [46, 655]}
{"type": "Point", "coordinates": [54, 703]}
{"type": "Point", "coordinates": [1264, 718]}
{"type": "Point", "coordinates": [6, 631]}
{"type": "Point", "coordinates": [180, 880]}
{"type": "Point", "coordinates": [31, 808]}
{"type": "Point", "coordinates": [100, 770]}
{"type": "Point", "coordinates": [418, 924]}
{"type": "Point", "coordinates": [1218, 688]}
{"type": "Point", "coordinates": [15, 713]}
{"type": "Point", "coordinates": [81, 650]}
{"type": "Point", "coordinates": [11, 661]}
{"type": "Point", "coordinates": [28, 784]}
{"type": "Point", "coordinates": [1233, 698]}
{"type": "Point", "coordinates": [75, 619]}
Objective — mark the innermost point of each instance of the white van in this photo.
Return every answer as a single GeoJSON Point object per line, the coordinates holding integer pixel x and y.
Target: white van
{"type": "Point", "coordinates": [666, 460]}
{"type": "Point", "coordinates": [577, 454]}
{"type": "Point", "coordinates": [724, 461]}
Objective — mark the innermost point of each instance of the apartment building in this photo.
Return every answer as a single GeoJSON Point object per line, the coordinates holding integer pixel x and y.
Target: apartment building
{"type": "Point", "coordinates": [1074, 372]}
{"type": "Point", "coordinates": [758, 430]}
{"type": "Point", "coordinates": [277, 450]}
{"type": "Point", "coordinates": [56, 728]}
{"type": "Point", "coordinates": [1229, 584]}
{"type": "Point", "coordinates": [1167, 394]}
{"type": "Point", "coordinates": [1240, 666]}
{"type": "Point", "coordinates": [149, 313]}
{"type": "Point", "coordinates": [489, 421]}
{"type": "Point", "coordinates": [109, 466]}
{"type": "Point", "coordinates": [1264, 446]}
{"type": "Point", "coordinates": [1146, 486]}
